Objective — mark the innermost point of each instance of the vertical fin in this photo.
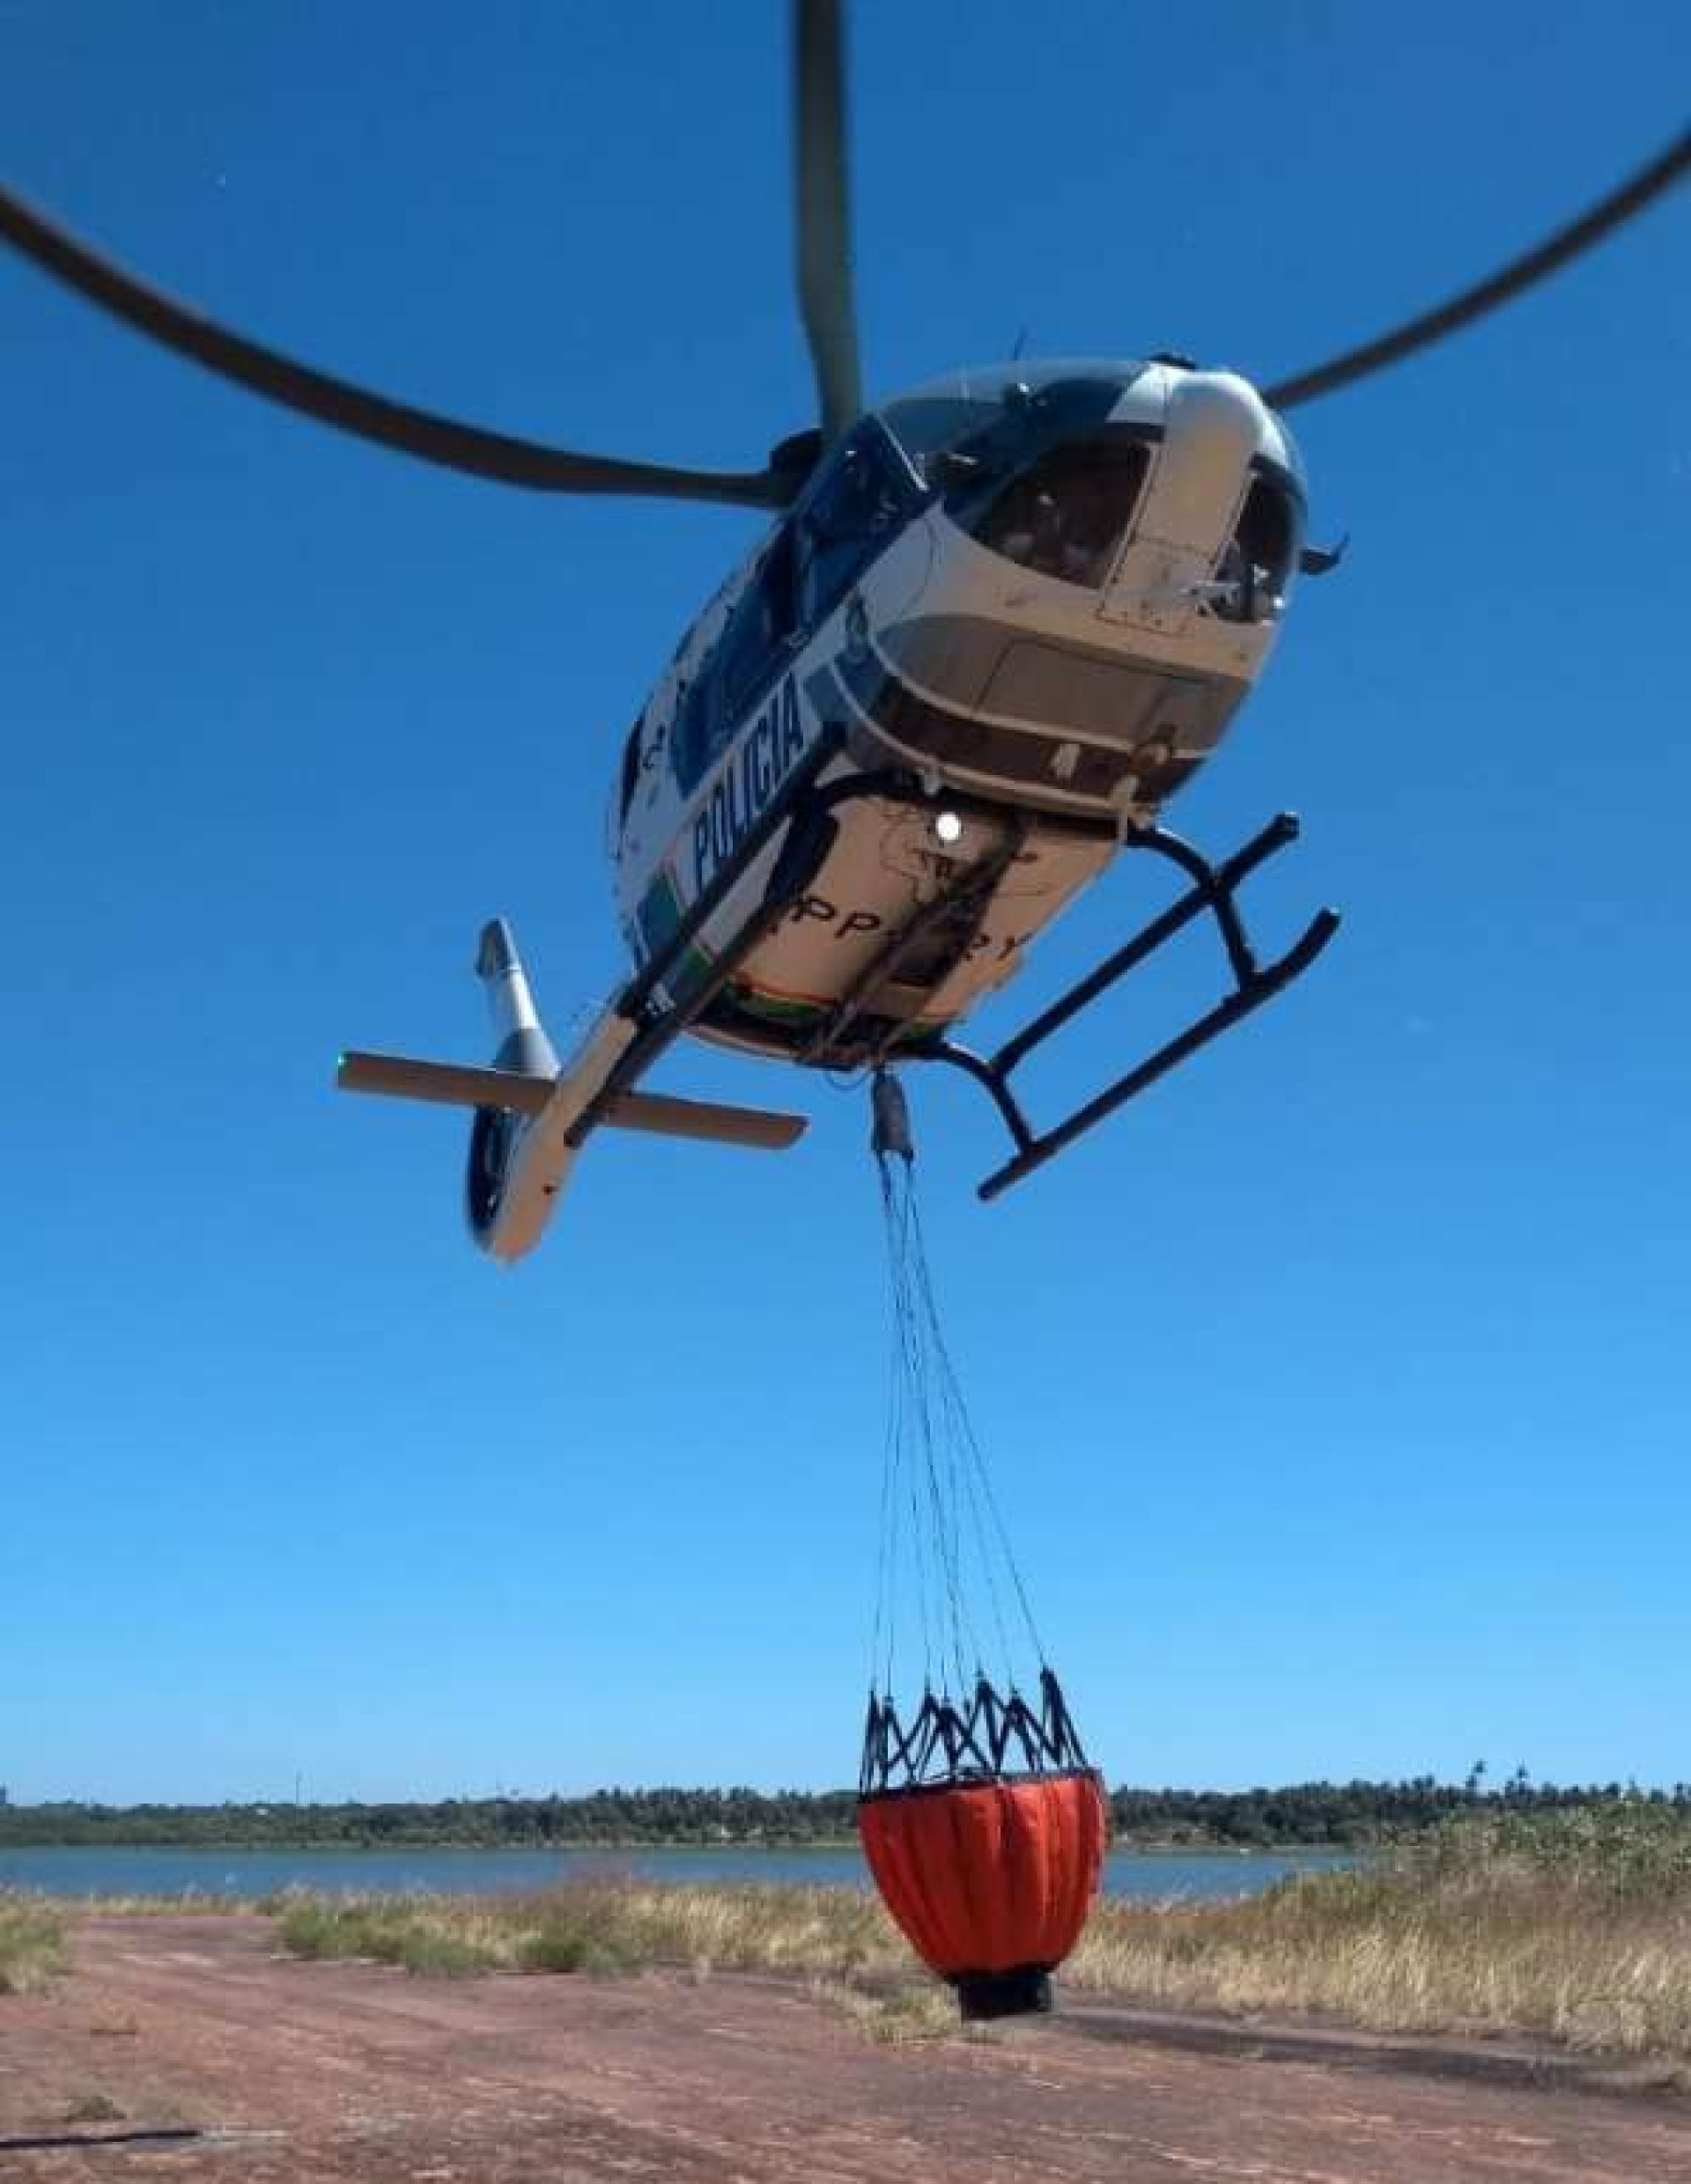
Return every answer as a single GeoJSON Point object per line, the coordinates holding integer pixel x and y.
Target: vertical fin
{"type": "Point", "coordinates": [523, 1045]}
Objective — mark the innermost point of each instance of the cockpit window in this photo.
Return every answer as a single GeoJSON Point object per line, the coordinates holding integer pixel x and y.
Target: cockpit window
{"type": "Point", "coordinates": [1065, 516]}
{"type": "Point", "coordinates": [993, 419]}
{"type": "Point", "coordinates": [1254, 571]}
{"type": "Point", "coordinates": [1032, 467]}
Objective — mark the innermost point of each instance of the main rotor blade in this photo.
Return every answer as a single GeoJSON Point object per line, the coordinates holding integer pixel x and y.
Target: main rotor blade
{"type": "Point", "coordinates": [823, 211]}
{"type": "Point", "coordinates": [1500, 287]}
{"type": "Point", "coordinates": [355, 410]}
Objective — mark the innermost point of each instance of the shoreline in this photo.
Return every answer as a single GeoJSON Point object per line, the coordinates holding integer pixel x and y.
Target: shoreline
{"type": "Point", "coordinates": [647, 1846]}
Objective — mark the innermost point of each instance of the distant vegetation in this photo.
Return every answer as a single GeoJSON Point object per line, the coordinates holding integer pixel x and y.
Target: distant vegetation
{"type": "Point", "coordinates": [1338, 1814]}
{"type": "Point", "coordinates": [1570, 1924]}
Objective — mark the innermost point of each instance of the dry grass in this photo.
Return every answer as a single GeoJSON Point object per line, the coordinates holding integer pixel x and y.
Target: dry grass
{"type": "Point", "coordinates": [185, 1904]}
{"type": "Point", "coordinates": [842, 1943]}
{"type": "Point", "coordinates": [31, 1944]}
{"type": "Point", "coordinates": [894, 2016]}
{"type": "Point", "coordinates": [607, 1927]}
{"type": "Point", "coordinates": [1575, 1927]}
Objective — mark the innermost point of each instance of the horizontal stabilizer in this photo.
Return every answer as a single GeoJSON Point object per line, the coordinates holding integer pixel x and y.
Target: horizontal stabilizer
{"type": "Point", "coordinates": [755, 1126]}
{"type": "Point", "coordinates": [399, 1077]}
{"type": "Point", "coordinates": [452, 1084]}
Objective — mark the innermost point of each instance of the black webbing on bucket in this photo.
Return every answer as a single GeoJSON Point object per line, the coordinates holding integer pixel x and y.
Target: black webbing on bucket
{"type": "Point", "coordinates": [990, 1739]}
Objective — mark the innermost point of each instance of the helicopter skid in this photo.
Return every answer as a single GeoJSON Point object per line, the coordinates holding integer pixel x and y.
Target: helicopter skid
{"type": "Point", "coordinates": [1211, 892]}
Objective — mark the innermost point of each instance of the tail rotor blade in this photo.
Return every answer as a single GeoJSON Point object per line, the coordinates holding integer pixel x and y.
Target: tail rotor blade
{"type": "Point", "coordinates": [1510, 281]}
{"type": "Point", "coordinates": [823, 211]}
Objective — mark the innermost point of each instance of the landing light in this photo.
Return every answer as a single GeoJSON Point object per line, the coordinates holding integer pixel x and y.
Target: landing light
{"type": "Point", "coordinates": [949, 828]}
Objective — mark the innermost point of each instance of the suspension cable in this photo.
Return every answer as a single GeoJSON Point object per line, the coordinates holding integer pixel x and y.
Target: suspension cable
{"type": "Point", "coordinates": [936, 1490]}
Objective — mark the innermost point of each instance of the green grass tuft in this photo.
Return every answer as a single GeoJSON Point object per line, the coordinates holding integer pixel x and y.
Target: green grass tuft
{"type": "Point", "coordinates": [93, 2107]}
{"type": "Point", "coordinates": [31, 1944]}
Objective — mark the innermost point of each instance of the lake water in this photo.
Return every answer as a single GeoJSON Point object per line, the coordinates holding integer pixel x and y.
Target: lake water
{"type": "Point", "coordinates": [117, 1872]}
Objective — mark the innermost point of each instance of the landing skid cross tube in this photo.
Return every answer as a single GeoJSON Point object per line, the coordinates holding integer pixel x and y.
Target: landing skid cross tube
{"type": "Point", "coordinates": [1212, 889]}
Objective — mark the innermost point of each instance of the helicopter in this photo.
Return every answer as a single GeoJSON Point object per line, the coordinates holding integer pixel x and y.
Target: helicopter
{"type": "Point", "coordinates": [997, 621]}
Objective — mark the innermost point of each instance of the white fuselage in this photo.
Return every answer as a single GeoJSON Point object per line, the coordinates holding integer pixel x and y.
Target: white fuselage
{"type": "Point", "coordinates": [1034, 598]}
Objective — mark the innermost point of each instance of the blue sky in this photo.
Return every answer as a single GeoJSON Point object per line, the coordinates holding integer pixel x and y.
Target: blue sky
{"type": "Point", "coordinates": [1337, 1393]}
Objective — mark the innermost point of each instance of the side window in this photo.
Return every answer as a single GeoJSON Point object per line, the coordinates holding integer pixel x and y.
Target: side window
{"type": "Point", "coordinates": [753, 648]}
{"type": "Point", "coordinates": [631, 779]}
{"type": "Point", "coordinates": [854, 513]}
{"type": "Point", "coordinates": [1255, 568]}
{"type": "Point", "coordinates": [689, 739]}
{"type": "Point", "coordinates": [755, 642]}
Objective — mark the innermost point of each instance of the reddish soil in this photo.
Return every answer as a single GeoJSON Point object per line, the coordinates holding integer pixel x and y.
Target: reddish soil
{"type": "Point", "coordinates": [355, 2072]}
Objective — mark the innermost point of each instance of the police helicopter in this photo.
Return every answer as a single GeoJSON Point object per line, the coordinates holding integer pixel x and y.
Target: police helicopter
{"type": "Point", "coordinates": [996, 624]}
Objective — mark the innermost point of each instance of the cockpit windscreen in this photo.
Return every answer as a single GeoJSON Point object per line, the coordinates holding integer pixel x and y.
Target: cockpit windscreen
{"type": "Point", "coordinates": [1031, 466]}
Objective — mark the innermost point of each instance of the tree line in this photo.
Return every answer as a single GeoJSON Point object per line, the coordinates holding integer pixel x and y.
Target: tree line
{"type": "Point", "coordinates": [1343, 1815]}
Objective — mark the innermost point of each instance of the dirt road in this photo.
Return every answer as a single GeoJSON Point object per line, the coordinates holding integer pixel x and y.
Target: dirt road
{"type": "Point", "coordinates": [355, 2072]}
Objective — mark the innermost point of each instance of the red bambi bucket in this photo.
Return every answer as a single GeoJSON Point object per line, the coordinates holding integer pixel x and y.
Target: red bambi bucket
{"type": "Point", "coordinates": [990, 1881]}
